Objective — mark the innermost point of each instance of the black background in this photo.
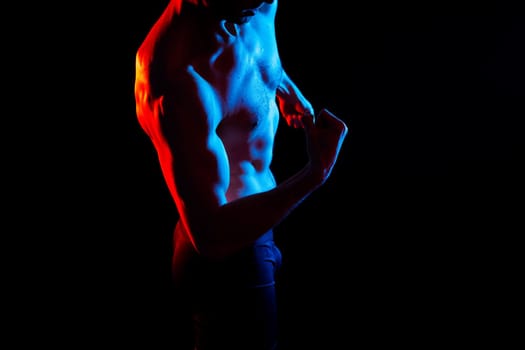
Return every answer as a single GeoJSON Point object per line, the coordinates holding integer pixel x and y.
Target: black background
{"type": "Point", "coordinates": [412, 242]}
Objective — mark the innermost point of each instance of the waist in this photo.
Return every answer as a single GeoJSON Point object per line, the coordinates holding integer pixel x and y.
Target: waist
{"type": "Point", "coordinates": [183, 246]}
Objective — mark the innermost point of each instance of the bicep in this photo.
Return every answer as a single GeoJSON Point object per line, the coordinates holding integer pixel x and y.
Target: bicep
{"type": "Point", "coordinates": [192, 156]}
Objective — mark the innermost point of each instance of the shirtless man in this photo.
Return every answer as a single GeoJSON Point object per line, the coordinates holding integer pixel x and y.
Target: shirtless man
{"type": "Point", "coordinates": [209, 90]}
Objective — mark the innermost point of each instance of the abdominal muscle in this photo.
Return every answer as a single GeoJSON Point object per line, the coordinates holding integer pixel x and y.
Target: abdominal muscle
{"type": "Point", "coordinates": [249, 181]}
{"type": "Point", "coordinates": [249, 147]}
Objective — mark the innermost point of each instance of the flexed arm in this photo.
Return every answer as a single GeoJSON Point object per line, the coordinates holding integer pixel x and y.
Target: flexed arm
{"type": "Point", "coordinates": [195, 165]}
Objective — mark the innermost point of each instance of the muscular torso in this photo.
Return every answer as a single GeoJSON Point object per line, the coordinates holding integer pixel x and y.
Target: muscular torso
{"type": "Point", "coordinates": [250, 115]}
{"type": "Point", "coordinates": [205, 94]}
{"type": "Point", "coordinates": [240, 64]}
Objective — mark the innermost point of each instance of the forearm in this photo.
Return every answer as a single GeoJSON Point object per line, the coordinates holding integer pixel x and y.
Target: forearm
{"type": "Point", "coordinates": [240, 222]}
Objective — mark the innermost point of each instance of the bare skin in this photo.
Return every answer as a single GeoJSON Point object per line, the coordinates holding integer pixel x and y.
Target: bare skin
{"type": "Point", "coordinates": [209, 93]}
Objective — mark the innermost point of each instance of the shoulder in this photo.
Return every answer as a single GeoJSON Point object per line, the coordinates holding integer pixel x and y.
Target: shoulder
{"type": "Point", "coordinates": [190, 88]}
{"type": "Point", "coordinates": [187, 106]}
{"type": "Point", "coordinates": [189, 94]}
{"type": "Point", "coordinates": [158, 66]}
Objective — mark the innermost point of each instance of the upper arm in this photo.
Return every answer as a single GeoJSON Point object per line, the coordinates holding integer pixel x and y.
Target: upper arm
{"type": "Point", "coordinates": [192, 156]}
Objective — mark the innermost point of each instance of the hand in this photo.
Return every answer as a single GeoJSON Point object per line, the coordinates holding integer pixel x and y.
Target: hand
{"type": "Point", "coordinates": [294, 106]}
{"type": "Point", "coordinates": [324, 136]}
{"type": "Point", "coordinates": [294, 114]}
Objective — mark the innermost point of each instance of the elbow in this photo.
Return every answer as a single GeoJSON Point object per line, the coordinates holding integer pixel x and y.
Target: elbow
{"type": "Point", "coordinates": [209, 237]}
{"type": "Point", "coordinates": [207, 247]}
{"type": "Point", "coordinates": [212, 250]}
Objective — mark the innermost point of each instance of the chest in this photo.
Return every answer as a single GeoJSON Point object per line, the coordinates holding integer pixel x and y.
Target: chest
{"type": "Point", "coordinates": [245, 70]}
